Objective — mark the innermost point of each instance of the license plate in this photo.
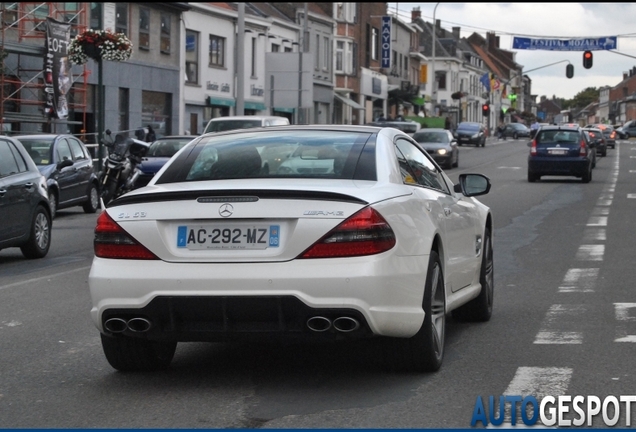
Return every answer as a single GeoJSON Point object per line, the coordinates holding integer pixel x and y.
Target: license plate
{"type": "Point", "coordinates": [557, 152]}
{"type": "Point", "coordinates": [239, 237]}
{"type": "Point", "coordinates": [464, 139]}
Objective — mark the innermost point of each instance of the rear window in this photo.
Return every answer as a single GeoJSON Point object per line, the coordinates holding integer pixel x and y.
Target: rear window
{"type": "Point", "coordinates": [227, 125]}
{"type": "Point", "coordinates": [301, 154]}
{"type": "Point", "coordinates": [431, 137]}
{"type": "Point", "coordinates": [558, 137]}
{"type": "Point", "coordinates": [468, 127]}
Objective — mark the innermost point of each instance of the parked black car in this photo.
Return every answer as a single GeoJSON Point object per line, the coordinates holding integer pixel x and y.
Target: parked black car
{"type": "Point", "coordinates": [515, 131]}
{"type": "Point", "coordinates": [561, 151]}
{"type": "Point", "coordinates": [471, 133]}
{"type": "Point", "coordinates": [68, 167]}
{"type": "Point", "coordinates": [24, 206]}
{"type": "Point", "coordinates": [441, 145]}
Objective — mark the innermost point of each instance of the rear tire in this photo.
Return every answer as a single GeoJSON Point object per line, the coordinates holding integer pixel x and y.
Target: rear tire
{"type": "Point", "coordinates": [108, 191]}
{"type": "Point", "coordinates": [40, 238]}
{"type": "Point", "coordinates": [424, 352]}
{"type": "Point", "coordinates": [587, 177]}
{"type": "Point", "coordinates": [92, 200]}
{"type": "Point", "coordinates": [480, 308]}
{"type": "Point", "coordinates": [515, 135]}
{"type": "Point", "coordinates": [128, 354]}
{"type": "Point", "coordinates": [533, 177]}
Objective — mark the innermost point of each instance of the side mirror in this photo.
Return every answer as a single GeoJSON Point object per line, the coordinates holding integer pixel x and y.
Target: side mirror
{"type": "Point", "coordinates": [65, 163]}
{"type": "Point", "coordinates": [472, 185]}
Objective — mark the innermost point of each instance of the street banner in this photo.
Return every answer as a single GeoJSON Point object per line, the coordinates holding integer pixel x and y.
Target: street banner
{"type": "Point", "coordinates": [576, 44]}
{"type": "Point", "coordinates": [57, 68]}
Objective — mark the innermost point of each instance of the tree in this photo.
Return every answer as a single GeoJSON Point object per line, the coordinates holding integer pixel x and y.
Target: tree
{"type": "Point", "coordinates": [582, 98]}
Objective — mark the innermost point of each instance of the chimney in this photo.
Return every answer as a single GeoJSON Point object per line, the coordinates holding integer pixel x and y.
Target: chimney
{"type": "Point", "coordinates": [497, 41]}
{"type": "Point", "coordinates": [456, 32]}
{"type": "Point", "coordinates": [438, 26]}
{"type": "Point", "coordinates": [416, 14]}
{"type": "Point", "coordinates": [624, 75]}
{"type": "Point", "coordinates": [490, 40]}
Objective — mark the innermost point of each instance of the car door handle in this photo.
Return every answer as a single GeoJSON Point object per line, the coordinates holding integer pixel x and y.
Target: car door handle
{"type": "Point", "coordinates": [2, 192]}
{"type": "Point", "coordinates": [447, 211]}
{"type": "Point", "coordinates": [28, 185]}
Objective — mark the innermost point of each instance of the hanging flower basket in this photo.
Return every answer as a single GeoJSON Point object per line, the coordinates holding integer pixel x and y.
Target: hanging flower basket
{"type": "Point", "coordinates": [99, 44]}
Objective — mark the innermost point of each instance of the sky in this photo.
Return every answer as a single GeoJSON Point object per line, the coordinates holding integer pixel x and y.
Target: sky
{"type": "Point", "coordinates": [546, 20]}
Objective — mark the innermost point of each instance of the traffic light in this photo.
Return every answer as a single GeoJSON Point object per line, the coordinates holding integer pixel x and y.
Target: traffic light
{"type": "Point", "coordinates": [569, 71]}
{"type": "Point", "coordinates": [587, 59]}
{"type": "Point", "coordinates": [485, 109]}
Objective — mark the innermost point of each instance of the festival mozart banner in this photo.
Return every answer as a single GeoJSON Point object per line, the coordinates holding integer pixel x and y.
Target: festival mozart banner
{"type": "Point", "coordinates": [576, 44]}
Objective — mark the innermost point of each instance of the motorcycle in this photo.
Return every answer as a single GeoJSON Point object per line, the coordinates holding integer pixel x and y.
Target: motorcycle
{"type": "Point", "coordinates": [120, 171]}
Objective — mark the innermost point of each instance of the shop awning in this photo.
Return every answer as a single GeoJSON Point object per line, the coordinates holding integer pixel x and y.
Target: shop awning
{"type": "Point", "coordinates": [349, 102]}
{"type": "Point", "coordinates": [285, 110]}
{"type": "Point", "coordinates": [221, 101]}
{"type": "Point", "coordinates": [258, 106]}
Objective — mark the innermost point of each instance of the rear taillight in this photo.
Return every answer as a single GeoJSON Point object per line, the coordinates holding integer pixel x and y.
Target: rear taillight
{"type": "Point", "coordinates": [613, 135]}
{"type": "Point", "coordinates": [582, 149]}
{"type": "Point", "coordinates": [111, 241]}
{"type": "Point", "coordinates": [533, 148]}
{"type": "Point", "coordinates": [364, 233]}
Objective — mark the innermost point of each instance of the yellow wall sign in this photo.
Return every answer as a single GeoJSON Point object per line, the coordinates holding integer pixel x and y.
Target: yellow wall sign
{"type": "Point", "coordinates": [423, 74]}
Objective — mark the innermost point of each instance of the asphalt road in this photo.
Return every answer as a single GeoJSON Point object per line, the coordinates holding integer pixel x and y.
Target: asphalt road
{"type": "Point", "coordinates": [564, 323]}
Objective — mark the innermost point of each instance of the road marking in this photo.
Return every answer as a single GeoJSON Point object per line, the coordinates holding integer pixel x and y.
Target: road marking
{"type": "Point", "coordinates": [623, 313]}
{"type": "Point", "coordinates": [558, 338]}
{"type": "Point", "coordinates": [631, 196]}
{"type": "Point", "coordinates": [51, 276]}
{"type": "Point", "coordinates": [604, 202]}
{"type": "Point", "coordinates": [538, 382]}
{"type": "Point", "coordinates": [600, 211]}
{"type": "Point", "coordinates": [579, 280]}
{"type": "Point", "coordinates": [597, 221]}
{"type": "Point", "coordinates": [592, 234]}
{"type": "Point", "coordinates": [590, 253]}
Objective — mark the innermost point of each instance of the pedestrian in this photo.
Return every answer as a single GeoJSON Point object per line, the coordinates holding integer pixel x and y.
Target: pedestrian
{"type": "Point", "coordinates": [150, 136]}
{"type": "Point", "coordinates": [140, 134]}
{"type": "Point", "coordinates": [500, 131]}
{"type": "Point", "coordinates": [447, 123]}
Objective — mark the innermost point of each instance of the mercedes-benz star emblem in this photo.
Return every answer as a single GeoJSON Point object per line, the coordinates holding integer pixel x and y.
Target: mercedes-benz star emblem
{"type": "Point", "coordinates": [226, 210]}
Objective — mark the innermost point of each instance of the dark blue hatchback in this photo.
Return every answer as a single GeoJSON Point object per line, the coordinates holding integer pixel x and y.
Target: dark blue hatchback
{"type": "Point", "coordinates": [560, 151]}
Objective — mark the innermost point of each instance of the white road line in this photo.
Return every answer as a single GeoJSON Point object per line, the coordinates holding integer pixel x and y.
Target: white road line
{"type": "Point", "coordinates": [51, 276]}
{"type": "Point", "coordinates": [579, 280]}
{"type": "Point", "coordinates": [604, 202]}
{"type": "Point", "coordinates": [626, 313]}
{"type": "Point", "coordinates": [590, 253]}
{"type": "Point", "coordinates": [600, 211]}
{"type": "Point", "coordinates": [538, 382]}
{"type": "Point", "coordinates": [597, 221]}
{"type": "Point", "coordinates": [631, 196]}
{"type": "Point", "coordinates": [594, 234]}
{"type": "Point", "coordinates": [558, 338]}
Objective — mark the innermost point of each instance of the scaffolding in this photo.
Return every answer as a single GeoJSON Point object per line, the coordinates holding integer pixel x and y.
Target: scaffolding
{"type": "Point", "coordinates": [22, 55]}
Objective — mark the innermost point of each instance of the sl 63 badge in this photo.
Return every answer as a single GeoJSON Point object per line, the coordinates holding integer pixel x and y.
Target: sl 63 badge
{"type": "Point", "coordinates": [135, 215]}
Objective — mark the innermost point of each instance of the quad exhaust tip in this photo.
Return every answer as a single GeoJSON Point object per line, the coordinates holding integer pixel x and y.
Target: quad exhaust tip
{"type": "Point", "coordinates": [346, 324]}
{"type": "Point", "coordinates": [319, 324]}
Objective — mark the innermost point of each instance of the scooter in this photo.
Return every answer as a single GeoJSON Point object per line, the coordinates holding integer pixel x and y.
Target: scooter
{"type": "Point", "coordinates": [120, 171]}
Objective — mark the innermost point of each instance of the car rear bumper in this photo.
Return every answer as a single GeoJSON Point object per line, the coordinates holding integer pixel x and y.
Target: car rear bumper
{"type": "Point", "coordinates": [185, 301]}
{"type": "Point", "coordinates": [560, 167]}
{"type": "Point", "coordinates": [470, 141]}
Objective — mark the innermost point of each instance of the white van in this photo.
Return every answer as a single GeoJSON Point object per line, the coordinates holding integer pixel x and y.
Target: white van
{"type": "Point", "coordinates": [221, 124]}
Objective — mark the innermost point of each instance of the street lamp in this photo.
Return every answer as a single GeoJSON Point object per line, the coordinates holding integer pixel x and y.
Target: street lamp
{"type": "Point", "coordinates": [434, 90]}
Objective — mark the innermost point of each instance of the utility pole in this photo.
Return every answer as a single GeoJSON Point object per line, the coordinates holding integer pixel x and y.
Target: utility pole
{"type": "Point", "coordinates": [240, 61]}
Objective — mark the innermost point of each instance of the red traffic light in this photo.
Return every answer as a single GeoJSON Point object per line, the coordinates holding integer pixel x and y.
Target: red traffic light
{"type": "Point", "coordinates": [587, 59]}
{"type": "Point", "coordinates": [485, 109]}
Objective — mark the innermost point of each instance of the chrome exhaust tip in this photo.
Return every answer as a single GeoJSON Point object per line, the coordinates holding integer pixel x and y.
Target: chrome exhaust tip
{"type": "Point", "coordinates": [139, 325]}
{"type": "Point", "coordinates": [346, 324]}
{"type": "Point", "coordinates": [115, 325]}
{"type": "Point", "coordinates": [319, 324]}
